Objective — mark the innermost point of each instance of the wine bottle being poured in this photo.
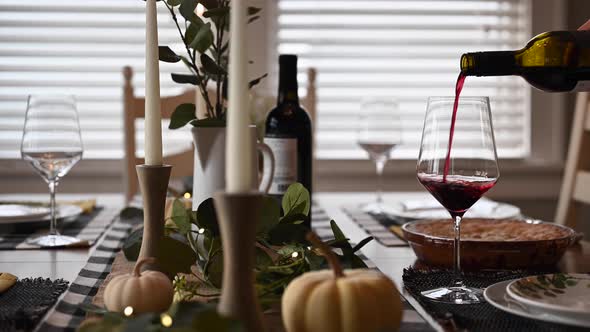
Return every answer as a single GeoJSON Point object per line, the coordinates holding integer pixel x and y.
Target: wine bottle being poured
{"type": "Point", "coordinates": [555, 61]}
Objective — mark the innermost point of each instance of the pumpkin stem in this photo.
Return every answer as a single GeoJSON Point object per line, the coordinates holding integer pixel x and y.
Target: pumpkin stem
{"type": "Point", "coordinates": [327, 253]}
{"type": "Point", "coordinates": [139, 264]}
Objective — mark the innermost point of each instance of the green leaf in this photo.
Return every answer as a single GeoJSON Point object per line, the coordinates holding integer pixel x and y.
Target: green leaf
{"type": "Point", "coordinates": [214, 269]}
{"type": "Point", "coordinates": [132, 245]}
{"type": "Point", "coordinates": [174, 256]}
{"type": "Point", "coordinates": [174, 3]}
{"type": "Point", "coordinates": [207, 218]}
{"type": "Point", "coordinates": [210, 66]}
{"type": "Point", "coordinates": [253, 10]}
{"type": "Point", "coordinates": [180, 217]}
{"type": "Point", "coordinates": [269, 217]}
{"type": "Point", "coordinates": [338, 235]}
{"type": "Point", "coordinates": [287, 233]}
{"type": "Point", "coordinates": [362, 243]}
{"type": "Point", "coordinates": [357, 263]}
{"type": "Point", "coordinates": [315, 262]}
{"type": "Point", "coordinates": [183, 114]}
{"type": "Point", "coordinates": [262, 259]}
{"type": "Point", "coordinates": [191, 32]}
{"type": "Point", "coordinates": [255, 81]}
{"type": "Point", "coordinates": [167, 55]}
{"type": "Point", "coordinates": [293, 218]}
{"type": "Point", "coordinates": [296, 200]}
{"type": "Point", "coordinates": [208, 122]}
{"type": "Point", "coordinates": [203, 40]}
{"type": "Point", "coordinates": [217, 12]}
{"type": "Point", "coordinates": [185, 79]}
{"type": "Point", "coordinates": [187, 10]}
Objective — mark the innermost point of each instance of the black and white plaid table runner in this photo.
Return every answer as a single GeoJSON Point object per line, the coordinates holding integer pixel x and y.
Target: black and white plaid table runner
{"type": "Point", "coordinates": [66, 315]}
{"type": "Point", "coordinates": [87, 227]}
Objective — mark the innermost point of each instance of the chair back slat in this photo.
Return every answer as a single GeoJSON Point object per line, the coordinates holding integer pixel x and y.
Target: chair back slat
{"type": "Point", "coordinates": [575, 187]}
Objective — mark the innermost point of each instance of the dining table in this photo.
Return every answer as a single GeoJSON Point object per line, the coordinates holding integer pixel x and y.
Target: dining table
{"type": "Point", "coordinates": [66, 263]}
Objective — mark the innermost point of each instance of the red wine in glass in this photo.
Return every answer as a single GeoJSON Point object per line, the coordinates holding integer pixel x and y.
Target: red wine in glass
{"type": "Point", "coordinates": [456, 193]}
{"type": "Point", "coordinates": [458, 89]}
{"type": "Point", "coordinates": [457, 172]}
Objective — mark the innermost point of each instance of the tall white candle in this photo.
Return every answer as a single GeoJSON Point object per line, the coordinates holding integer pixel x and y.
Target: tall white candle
{"type": "Point", "coordinates": [238, 174]}
{"type": "Point", "coordinates": [153, 117]}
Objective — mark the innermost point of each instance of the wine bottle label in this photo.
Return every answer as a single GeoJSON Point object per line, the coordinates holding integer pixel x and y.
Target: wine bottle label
{"type": "Point", "coordinates": [285, 153]}
{"type": "Point", "coordinates": [582, 86]}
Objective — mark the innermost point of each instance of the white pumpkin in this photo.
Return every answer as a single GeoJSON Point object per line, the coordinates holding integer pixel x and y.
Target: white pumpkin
{"type": "Point", "coordinates": [150, 291]}
{"type": "Point", "coordinates": [341, 301]}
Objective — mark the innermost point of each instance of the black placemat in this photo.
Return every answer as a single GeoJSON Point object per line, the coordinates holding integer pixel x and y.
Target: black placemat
{"type": "Point", "coordinates": [25, 303]}
{"type": "Point", "coordinates": [87, 227]}
{"type": "Point", "coordinates": [377, 226]}
{"type": "Point", "coordinates": [473, 317]}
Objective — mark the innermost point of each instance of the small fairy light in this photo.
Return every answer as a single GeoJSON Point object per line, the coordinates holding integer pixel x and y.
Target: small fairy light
{"type": "Point", "coordinates": [128, 311]}
{"type": "Point", "coordinates": [295, 254]}
{"type": "Point", "coordinates": [200, 10]}
{"type": "Point", "coordinates": [166, 320]}
{"type": "Point", "coordinates": [201, 230]}
{"type": "Point", "coordinates": [187, 195]}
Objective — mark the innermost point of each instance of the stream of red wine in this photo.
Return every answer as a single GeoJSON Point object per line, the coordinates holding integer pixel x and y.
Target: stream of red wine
{"type": "Point", "coordinates": [458, 88]}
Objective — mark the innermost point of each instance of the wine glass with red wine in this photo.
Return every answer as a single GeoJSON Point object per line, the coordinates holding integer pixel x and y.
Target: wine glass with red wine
{"type": "Point", "coordinates": [379, 131]}
{"type": "Point", "coordinates": [457, 165]}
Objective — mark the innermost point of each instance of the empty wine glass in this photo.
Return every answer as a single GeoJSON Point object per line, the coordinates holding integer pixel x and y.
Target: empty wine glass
{"type": "Point", "coordinates": [51, 143]}
{"type": "Point", "coordinates": [471, 171]}
{"type": "Point", "coordinates": [379, 132]}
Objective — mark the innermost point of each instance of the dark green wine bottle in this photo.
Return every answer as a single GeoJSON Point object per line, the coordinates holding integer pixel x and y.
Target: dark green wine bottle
{"type": "Point", "coordinates": [554, 61]}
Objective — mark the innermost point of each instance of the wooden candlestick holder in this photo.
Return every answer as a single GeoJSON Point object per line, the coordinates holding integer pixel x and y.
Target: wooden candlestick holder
{"type": "Point", "coordinates": [153, 182]}
{"type": "Point", "coordinates": [238, 215]}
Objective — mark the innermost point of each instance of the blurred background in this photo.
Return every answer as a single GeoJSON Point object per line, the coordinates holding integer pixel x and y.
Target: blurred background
{"type": "Point", "coordinates": [407, 50]}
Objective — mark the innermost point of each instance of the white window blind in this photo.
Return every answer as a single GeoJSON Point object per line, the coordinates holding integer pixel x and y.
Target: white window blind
{"type": "Point", "coordinates": [79, 48]}
{"type": "Point", "coordinates": [408, 50]}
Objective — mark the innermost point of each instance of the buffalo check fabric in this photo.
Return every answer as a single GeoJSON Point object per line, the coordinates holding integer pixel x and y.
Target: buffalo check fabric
{"type": "Point", "coordinates": [86, 227]}
{"type": "Point", "coordinates": [377, 226]}
{"type": "Point", "coordinates": [67, 316]}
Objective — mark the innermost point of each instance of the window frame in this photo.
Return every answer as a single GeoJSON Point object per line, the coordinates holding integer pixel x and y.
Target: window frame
{"type": "Point", "coordinates": [538, 175]}
{"type": "Point", "coordinates": [541, 169]}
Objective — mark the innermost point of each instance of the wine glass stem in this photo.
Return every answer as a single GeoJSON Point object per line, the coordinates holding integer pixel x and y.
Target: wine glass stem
{"type": "Point", "coordinates": [457, 252]}
{"type": "Point", "coordinates": [53, 222]}
{"type": "Point", "coordinates": [379, 165]}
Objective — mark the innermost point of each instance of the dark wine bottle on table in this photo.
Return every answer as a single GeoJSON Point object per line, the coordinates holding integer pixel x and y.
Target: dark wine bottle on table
{"type": "Point", "coordinates": [555, 61]}
{"type": "Point", "coordinates": [288, 133]}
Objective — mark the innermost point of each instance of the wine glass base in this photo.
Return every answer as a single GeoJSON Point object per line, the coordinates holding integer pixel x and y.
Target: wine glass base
{"type": "Point", "coordinates": [455, 295]}
{"type": "Point", "coordinates": [54, 241]}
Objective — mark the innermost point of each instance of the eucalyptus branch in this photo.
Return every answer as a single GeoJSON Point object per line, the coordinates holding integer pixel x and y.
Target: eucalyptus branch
{"type": "Point", "coordinates": [202, 86]}
{"type": "Point", "coordinates": [219, 44]}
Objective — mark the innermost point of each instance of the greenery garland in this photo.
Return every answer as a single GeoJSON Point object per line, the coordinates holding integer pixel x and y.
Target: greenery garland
{"type": "Point", "coordinates": [192, 239]}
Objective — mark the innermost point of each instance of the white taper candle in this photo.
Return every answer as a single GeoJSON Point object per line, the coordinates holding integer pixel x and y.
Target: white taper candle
{"type": "Point", "coordinates": [238, 174]}
{"type": "Point", "coordinates": [153, 117]}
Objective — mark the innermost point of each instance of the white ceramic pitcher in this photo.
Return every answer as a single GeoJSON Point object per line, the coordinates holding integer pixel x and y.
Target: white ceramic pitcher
{"type": "Point", "coordinates": [209, 164]}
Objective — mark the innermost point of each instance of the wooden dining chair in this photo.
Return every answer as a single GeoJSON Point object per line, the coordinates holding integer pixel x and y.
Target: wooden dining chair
{"type": "Point", "coordinates": [575, 188]}
{"type": "Point", "coordinates": [134, 108]}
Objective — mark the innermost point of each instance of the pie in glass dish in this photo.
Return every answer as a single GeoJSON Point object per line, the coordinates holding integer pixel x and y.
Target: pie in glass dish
{"type": "Point", "coordinates": [490, 243]}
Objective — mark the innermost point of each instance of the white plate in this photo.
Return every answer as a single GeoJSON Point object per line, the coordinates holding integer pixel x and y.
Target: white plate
{"type": "Point", "coordinates": [559, 293]}
{"type": "Point", "coordinates": [16, 212]}
{"type": "Point", "coordinates": [431, 209]}
{"type": "Point", "coordinates": [64, 211]}
{"type": "Point", "coordinates": [498, 296]}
